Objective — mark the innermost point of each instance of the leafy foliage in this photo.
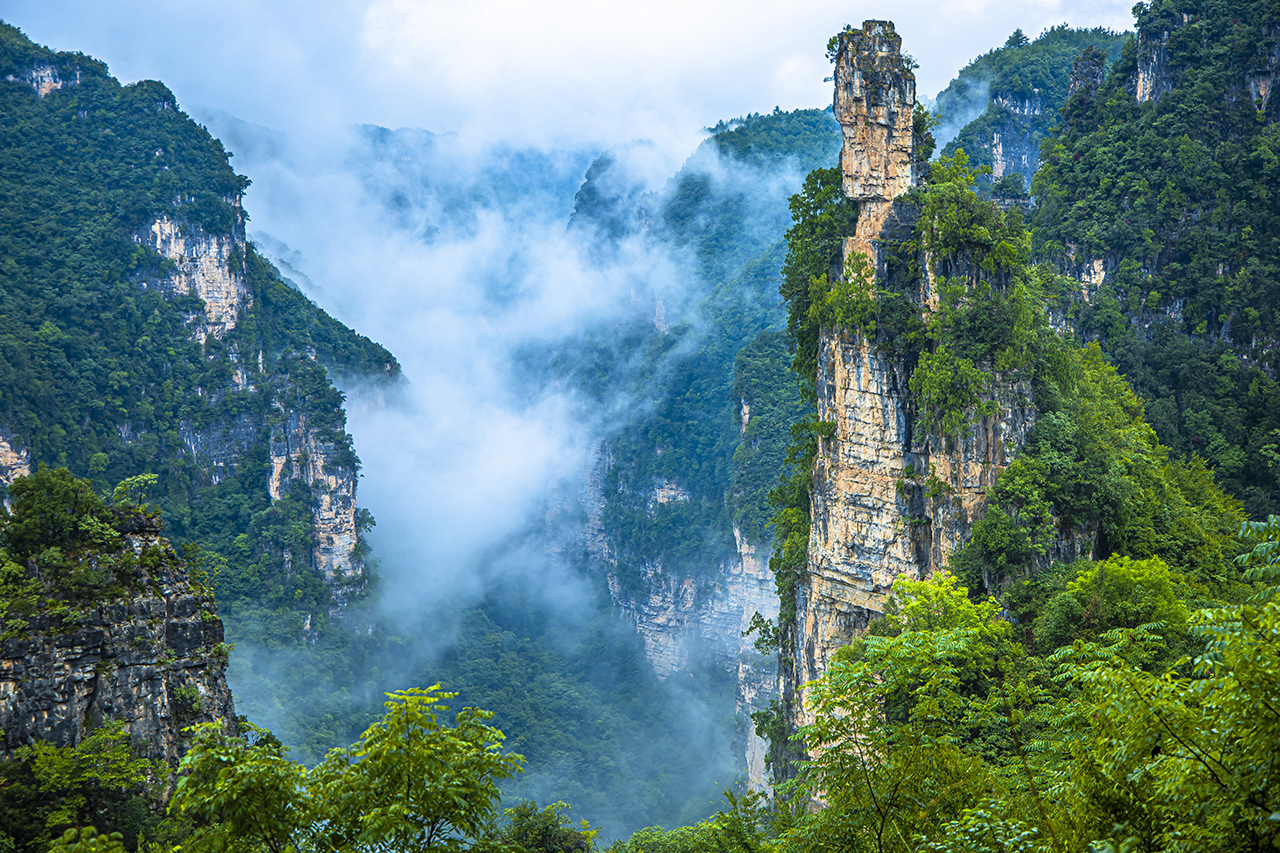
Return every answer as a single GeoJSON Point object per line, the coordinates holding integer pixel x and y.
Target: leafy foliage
{"type": "Point", "coordinates": [1176, 196]}
{"type": "Point", "coordinates": [1015, 91]}
{"type": "Point", "coordinates": [98, 781]}
{"type": "Point", "coordinates": [410, 783]}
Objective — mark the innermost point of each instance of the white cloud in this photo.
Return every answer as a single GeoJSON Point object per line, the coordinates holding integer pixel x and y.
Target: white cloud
{"type": "Point", "coordinates": [558, 71]}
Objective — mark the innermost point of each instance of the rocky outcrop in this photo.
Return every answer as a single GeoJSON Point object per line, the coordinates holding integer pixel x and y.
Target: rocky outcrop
{"type": "Point", "coordinates": [875, 94]}
{"type": "Point", "coordinates": [298, 452]}
{"type": "Point", "coordinates": [45, 78]}
{"type": "Point", "coordinates": [206, 265]}
{"type": "Point", "coordinates": [1155, 77]}
{"type": "Point", "coordinates": [887, 501]}
{"type": "Point", "coordinates": [1015, 147]}
{"type": "Point", "coordinates": [153, 658]}
{"type": "Point", "coordinates": [696, 613]}
{"type": "Point", "coordinates": [218, 447]}
{"type": "Point", "coordinates": [15, 462]}
{"type": "Point", "coordinates": [210, 266]}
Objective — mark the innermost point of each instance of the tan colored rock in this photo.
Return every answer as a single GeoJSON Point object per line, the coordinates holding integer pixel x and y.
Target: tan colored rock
{"type": "Point", "coordinates": [886, 501]}
{"type": "Point", "coordinates": [297, 453]}
{"type": "Point", "coordinates": [203, 266]}
{"type": "Point", "coordinates": [15, 461]}
{"type": "Point", "coordinates": [45, 79]}
{"type": "Point", "coordinates": [875, 95]}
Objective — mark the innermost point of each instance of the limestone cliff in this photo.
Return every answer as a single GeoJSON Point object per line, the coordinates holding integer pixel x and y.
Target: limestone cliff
{"type": "Point", "coordinates": [695, 613]}
{"type": "Point", "coordinates": [299, 452]}
{"type": "Point", "coordinates": [153, 658]}
{"type": "Point", "coordinates": [15, 462]}
{"type": "Point", "coordinates": [1155, 77]}
{"type": "Point", "coordinates": [207, 265]}
{"type": "Point", "coordinates": [45, 78]}
{"type": "Point", "coordinates": [211, 266]}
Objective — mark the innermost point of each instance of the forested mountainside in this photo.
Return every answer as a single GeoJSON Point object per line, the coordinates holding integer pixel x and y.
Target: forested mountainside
{"type": "Point", "coordinates": [1001, 105]}
{"type": "Point", "coordinates": [964, 433]}
{"type": "Point", "coordinates": [1159, 193]}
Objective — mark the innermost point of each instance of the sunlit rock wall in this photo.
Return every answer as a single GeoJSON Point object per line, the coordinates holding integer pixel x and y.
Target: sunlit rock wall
{"type": "Point", "coordinates": [875, 94]}
{"type": "Point", "coordinates": [886, 500]}
{"type": "Point", "coordinates": [207, 265]}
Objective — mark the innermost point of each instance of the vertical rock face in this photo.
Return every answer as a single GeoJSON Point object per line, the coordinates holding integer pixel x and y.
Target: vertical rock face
{"type": "Point", "coordinates": [15, 461]}
{"type": "Point", "coordinates": [210, 266]}
{"type": "Point", "coordinates": [154, 659]}
{"type": "Point", "coordinates": [886, 501]}
{"type": "Point", "coordinates": [207, 265]}
{"type": "Point", "coordinates": [683, 614]}
{"type": "Point", "coordinates": [874, 97]}
{"type": "Point", "coordinates": [1155, 78]}
{"type": "Point", "coordinates": [45, 78]}
{"type": "Point", "coordinates": [1014, 148]}
{"type": "Point", "coordinates": [299, 453]}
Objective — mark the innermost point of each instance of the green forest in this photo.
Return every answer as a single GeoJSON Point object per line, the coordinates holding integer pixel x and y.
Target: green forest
{"type": "Point", "coordinates": [1127, 700]}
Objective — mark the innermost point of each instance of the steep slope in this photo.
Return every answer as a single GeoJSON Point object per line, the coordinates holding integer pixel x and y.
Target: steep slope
{"type": "Point", "coordinates": [105, 626]}
{"type": "Point", "coordinates": [142, 333]}
{"type": "Point", "coordinates": [678, 508]}
{"type": "Point", "coordinates": [1002, 104]}
{"type": "Point", "coordinates": [1158, 197]}
{"type": "Point", "coordinates": [954, 428]}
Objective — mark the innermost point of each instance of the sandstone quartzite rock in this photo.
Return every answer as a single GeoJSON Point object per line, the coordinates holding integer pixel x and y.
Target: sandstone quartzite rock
{"type": "Point", "coordinates": [154, 659]}
{"type": "Point", "coordinates": [886, 501]}
{"type": "Point", "coordinates": [875, 95]}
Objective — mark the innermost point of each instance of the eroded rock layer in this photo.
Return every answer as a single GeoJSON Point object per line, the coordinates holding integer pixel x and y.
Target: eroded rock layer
{"type": "Point", "coordinates": [874, 98]}
{"type": "Point", "coordinates": [153, 658]}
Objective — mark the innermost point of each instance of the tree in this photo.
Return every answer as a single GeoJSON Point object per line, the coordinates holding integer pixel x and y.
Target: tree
{"type": "Point", "coordinates": [1186, 759]}
{"type": "Point", "coordinates": [411, 783]}
{"type": "Point", "coordinates": [91, 782]}
{"type": "Point", "coordinates": [545, 830]}
{"type": "Point", "coordinates": [88, 840]}
{"type": "Point", "coordinates": [918, 723]}
{"type": "Point", "coordinates": [242, 793]}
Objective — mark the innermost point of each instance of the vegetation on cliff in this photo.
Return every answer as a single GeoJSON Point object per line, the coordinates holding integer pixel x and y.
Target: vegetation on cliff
{"type": "Point", "coordinates": [1007, 100]}
{"type": "Point", "coordinates": [101, 371]}
{"type": "Point", "coordinates": [1175, 198]}
{"type": "Point", "coordinates": [66, 554]}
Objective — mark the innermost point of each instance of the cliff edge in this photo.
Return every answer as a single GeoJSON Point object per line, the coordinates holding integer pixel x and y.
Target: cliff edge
{"type": "Point", "coordinates": [102, 620]}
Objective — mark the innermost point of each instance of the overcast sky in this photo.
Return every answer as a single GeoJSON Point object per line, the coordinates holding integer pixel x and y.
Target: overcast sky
{"type": "Point", "coordinates": [562, 72]}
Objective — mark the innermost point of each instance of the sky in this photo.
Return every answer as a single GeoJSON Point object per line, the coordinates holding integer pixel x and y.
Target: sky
{"type": "Point", "coordinates": [563, 72]}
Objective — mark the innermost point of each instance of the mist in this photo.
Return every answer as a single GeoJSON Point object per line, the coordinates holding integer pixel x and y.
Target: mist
{"type": "Point", "coordinates": [414, 167]}
{"type": "Point", "coordinates": [458, 254]}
